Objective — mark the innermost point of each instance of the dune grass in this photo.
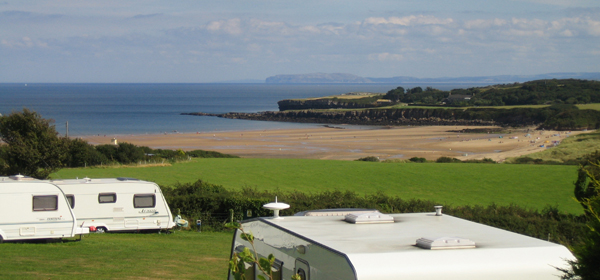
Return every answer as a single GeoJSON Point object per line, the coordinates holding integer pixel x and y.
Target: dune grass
{"type": "Point", "coordinates": [571, 148]}
{"type": "Point", "coordinates": [530, 186]}
{"type": "Point", "coordinates": [181, 255]}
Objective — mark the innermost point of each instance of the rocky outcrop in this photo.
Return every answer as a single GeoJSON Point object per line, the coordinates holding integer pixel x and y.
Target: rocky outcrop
{"type": "Point", "coordinates": [547, 117]}
{"type": "Point", "coordinates": [362, 117]}
{"type": "Point", "coordinates": [305, 104]}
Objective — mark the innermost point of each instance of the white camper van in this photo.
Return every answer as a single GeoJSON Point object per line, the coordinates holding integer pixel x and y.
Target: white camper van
{"type": "Point", "coordinates": [33, 209]}
{"type": "Point", "coordinates": [367, 245]}
{"type": "Point", "coordinates": [117, 204]}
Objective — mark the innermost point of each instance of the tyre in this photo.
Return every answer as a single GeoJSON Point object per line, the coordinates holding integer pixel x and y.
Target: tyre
{"type": "Point", "coordinates": [101, 230]}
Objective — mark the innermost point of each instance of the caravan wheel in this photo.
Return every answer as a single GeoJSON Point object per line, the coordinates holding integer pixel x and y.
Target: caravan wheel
{"type": "Point", "coordinates": [101, 230]}
{"type": "Point", "coordinates": [1, 240]}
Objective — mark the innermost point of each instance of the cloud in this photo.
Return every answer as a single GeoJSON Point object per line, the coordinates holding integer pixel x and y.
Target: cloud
{"type": "Point", "coordinates": [408, 20]}
{"type": "Point", "coordinates": [231, 26]}
{"type": "Point", "coordinates": [385, 57]}
{"type": "Point", "coordinates": [24, 42]}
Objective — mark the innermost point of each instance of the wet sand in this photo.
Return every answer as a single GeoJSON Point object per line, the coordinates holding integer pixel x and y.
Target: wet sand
{"type": "Point", "coordinates": [430, 142]}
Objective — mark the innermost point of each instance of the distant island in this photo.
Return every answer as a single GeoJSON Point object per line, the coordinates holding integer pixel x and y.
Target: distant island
{"type": "Point", "coordinates": [350, 78]}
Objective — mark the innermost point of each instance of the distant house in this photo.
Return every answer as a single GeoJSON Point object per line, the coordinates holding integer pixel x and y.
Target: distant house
{"type": "Point", "coordinates": [384, 102]}
{"type": "Point", "coordinates": [456, 98]}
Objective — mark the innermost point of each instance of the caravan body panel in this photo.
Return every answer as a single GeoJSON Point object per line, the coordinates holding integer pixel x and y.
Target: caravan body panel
{"type": "Point", "coordinates": [118, 204]}
{"type": "Point", "coordinates": [34, 210]}
{"type": "Point", "coordinates": [335, 249]}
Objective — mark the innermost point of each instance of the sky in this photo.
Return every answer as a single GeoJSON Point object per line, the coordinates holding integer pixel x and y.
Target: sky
{"type": "Point", "coordinates": [200, 41]}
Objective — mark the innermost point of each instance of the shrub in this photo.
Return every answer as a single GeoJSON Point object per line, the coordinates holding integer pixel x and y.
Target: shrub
{"type": "Point", "coordinates": [371, 158]}
{"type": "Point", "coordinates": [447, 160]}
{"type": "Point", "coordinates": [417, 159]}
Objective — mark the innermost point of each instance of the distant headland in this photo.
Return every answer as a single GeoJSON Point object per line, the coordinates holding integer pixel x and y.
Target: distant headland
{"type": "Point", "coordinates": [314, 78]}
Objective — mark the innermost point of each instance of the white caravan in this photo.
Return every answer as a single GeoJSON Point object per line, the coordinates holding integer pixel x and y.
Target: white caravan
{"type": "Point", "coordinates": [344, 245]}
{"type": "Point", "coordinates": [117, 204]}
{"type": "Point", "coordinates": [33, 209]}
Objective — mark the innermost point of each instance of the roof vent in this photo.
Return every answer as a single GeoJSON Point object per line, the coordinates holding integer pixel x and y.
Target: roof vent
{"type": "Point", "coordinates": [276, 206]}
{"type": "Point", "coordinates": [375, 217]}
{"type": "Point", "coordinates": [334, 212]}
{"type": "Point", "coordinates": [127, 179]}
{"type": "Point", "coordinates": [20, 177]}
{"type": "Point", "coordinates": [438, 210]}
{"type": "Point", "coordinates": [445, 243]}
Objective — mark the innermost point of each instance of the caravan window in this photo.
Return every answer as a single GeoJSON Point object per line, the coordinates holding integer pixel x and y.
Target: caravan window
{"type": "Point", "coordinates": [107, 198]}
{"type": "Point", "coordinates": [45, 202]}
{"type": "Point", "coordinates": [71, 200]}
{"type": "Point", "coordinates": [144, 200]}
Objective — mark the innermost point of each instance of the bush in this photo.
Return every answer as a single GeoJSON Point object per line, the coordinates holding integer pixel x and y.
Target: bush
{"type": "Point", "coordinates": [212, 203]}
{"type": "Point", "coordinates": [485, 160]}
{"type": "Point", "coordinates": [371, 158]}
{"type": "Point", "coordinates": [447, 160]}
{"type": "Point", "coordinates": [417, 159]}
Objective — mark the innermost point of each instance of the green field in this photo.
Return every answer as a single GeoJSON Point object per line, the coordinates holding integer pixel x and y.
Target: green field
{"type": "Point", "coordinates": [181, 255]}
{"type": "Point", "coordinates": [530, 186]}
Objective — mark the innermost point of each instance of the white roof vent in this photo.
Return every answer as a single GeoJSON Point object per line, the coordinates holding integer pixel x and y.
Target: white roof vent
{"type": "Point", "coordinates": [375, 217]}
{"type": "Point", "coordinates": [445, 243]}
{"type": "Point", "coordinates": [20, 177]}
{"type": "Point", "coordinates": [276, 206]}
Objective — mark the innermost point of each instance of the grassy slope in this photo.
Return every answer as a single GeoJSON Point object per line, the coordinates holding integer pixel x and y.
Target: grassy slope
{"type": "Point", "coordinates": [181, 255]}
{"type": "Point", "coordinates": [571, 148]}
{"type": "Point", "coordinates": [532, 186]}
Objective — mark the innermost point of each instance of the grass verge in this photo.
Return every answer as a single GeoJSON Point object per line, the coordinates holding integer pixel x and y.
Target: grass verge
{"type": "Point", "coordinates": [181, 255]}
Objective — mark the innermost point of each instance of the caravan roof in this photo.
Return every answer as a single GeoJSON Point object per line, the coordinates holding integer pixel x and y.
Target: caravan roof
{"type": "Point", "coordinates": [390, 251]}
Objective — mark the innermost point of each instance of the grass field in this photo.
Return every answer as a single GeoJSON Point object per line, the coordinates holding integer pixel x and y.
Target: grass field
{"type": "Point", "coordinates": [592, 106]}
{"type": "Point", "coordinates": [531, 186]}
{"type": "Point", "coordinates": [181, 255]}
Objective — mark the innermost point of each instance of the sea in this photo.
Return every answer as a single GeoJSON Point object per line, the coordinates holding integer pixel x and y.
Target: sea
{"type": "Point", "coordinates": [124, 109]}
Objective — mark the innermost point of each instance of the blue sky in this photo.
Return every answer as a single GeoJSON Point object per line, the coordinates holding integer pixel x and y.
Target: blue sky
{"type": "Point", "coordinates": [197, 41]}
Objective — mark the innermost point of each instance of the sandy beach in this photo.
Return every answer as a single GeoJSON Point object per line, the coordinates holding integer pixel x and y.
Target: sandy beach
{"type": "Point", "coordinates": [430, 142]}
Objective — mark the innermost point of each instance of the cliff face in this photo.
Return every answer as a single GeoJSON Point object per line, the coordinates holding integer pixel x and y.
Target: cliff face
{"type": "Point", "coordinates": [547, 118]}
{"type": "Point", "coordinates": [306, 104]}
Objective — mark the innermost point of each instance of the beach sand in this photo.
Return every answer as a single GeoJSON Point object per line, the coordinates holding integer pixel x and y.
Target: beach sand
{"type": "Point", "coordinates": [430, 142]}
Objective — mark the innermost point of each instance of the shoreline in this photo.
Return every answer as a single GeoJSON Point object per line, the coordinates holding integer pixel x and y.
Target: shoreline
{"type": "Point", "coordinates": [351, 143]}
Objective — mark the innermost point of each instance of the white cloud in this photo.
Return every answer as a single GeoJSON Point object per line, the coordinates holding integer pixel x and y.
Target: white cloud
{"type": "Point", "coordinates": [408, 20]}
{"type": "Point", "coordinates": [385, 57]}
{"type": "Point", "coordinates": [231, 26]}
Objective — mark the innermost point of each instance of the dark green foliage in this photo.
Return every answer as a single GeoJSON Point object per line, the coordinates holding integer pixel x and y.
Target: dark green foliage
{"type": "Point", "coordinates": [567, 91]}
{"type": "Point", "coordinates": [208, 154]}
{"type": "Point", "coordinates": [447, 160]}
{"type": "Point", "coordinates": [587, 186]}
{"type": "Point", "coordinates": [81, 153]}
{"type": "Point", "coordinates": [33, 145]}
{"type": "Point", "coordinates": [126, 153]}
{"type": "Point", "coordinates": [528, 160]}
{"type": "Point", "coordinates": [212, 203]}
{"type": "Point", "coordinates": [417, 159]}
{"type": "Point", "coordinates": [395, 94]}
{"type": "Point", "coordinates": [371, 158]}
{"type": "Point", "coordinates": [587, 192]}
{"type": "Point", "coordinates": [485, 160]}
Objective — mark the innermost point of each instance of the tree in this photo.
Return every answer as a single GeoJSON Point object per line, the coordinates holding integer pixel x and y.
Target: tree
{"type": "Point", "coordinates": [587, 193]}
{"type": "Point", "coordinates": [81, 154]}
{"type": "Point", "coordinates": [33, 145]}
